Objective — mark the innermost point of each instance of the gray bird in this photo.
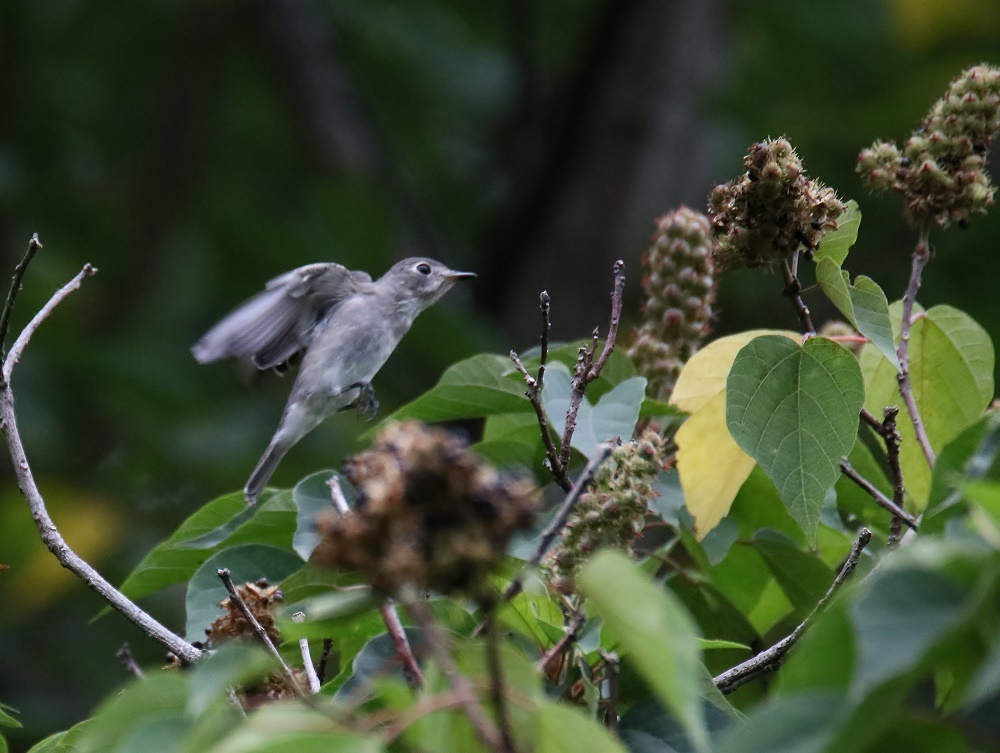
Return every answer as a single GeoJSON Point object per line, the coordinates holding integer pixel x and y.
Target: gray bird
{"type": "Point", "coordinates": [347, 327]}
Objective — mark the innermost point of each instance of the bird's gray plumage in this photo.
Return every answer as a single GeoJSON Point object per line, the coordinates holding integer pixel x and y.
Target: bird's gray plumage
{"type": "Point", "coordinates": [347, 325]}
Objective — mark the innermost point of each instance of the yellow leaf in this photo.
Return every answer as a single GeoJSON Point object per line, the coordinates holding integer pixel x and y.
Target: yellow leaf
{"type": "Point", "coordinates": [704, 376]}
{"type": "Point", "coordinates": [711, 465]}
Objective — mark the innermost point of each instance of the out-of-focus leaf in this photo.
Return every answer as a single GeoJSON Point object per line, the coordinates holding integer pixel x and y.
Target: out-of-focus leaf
{"type": "Point", "coordinates": [802, 576]}
{"type": "Point", "coordinates": [562, 729]}
{"type": "Point", "coordinates": [863, 304]}
{"type": "Point", "coordinates": [803, 723]}
{"type": "Point", "coordinates": [655, 632]}
{"type": "Point", "coordinates": [6, 720]}
{"type": "Point", "coordinates": [951, 372]}
{"type": "Point", "coordinates": [823, 659]}
{"type": "Point", "coordinates": [228, 666]}
{"type": "Point", "coordinates": [271, 521]}
{"type": "Point", "coordinates": [325, 614]}
{"type": "Point", "coordinates": [246, 563]}
{"type": "Point", "coordinates": [795, 411]}
{"type": "Point", "coordinates": [148, 698]}
{"type": "Point", "coordinates": [836, 244]}
{"type": "Point", "coordinates": [614, 415]}
{"type": "Point", "coordinates": [648, 727]}
{"type": "Point", "coordinates": [294, 727]}
{"type": "Point", "coordinates": [377, 659]}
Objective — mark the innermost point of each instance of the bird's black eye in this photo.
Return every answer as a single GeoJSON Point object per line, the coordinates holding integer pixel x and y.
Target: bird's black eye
{"type": "Point", "coordinates": [424, 268]}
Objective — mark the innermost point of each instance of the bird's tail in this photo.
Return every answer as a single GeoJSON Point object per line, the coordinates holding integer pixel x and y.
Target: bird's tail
{"type": "Point", "coordinates": [264, 470]}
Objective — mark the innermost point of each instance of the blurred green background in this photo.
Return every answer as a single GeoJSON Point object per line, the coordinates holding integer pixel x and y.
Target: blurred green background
{"type": "Point", "coordinates": [192, 150]}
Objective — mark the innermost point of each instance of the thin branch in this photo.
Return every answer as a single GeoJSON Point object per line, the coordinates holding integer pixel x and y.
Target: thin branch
{"type": "Point", "coordinates": [534, 393]}
{"type": "Point", "coordinates": [921, 255]}
{"type": "Point", "coordinates": [496, 683]}
{"type": "Point", "coordinates": [562, 515]}
{"type": "Point", "coordinates": [307, 662]}
{"type": "Point", "coordinates": [611, 667]}
{"type": "Point", "coordinates": [484, 729]}
{"type": "Point", "coordinates": [124, 655]}
{"type": "Point", "coordinates": [47, 530]}
{"type": "Point", "coordinates": [568, 639]}
{"type": "Point", "coordinates": [793, 292]}
{"type": "Point", "coordinates": [890, 434]}
{"type": "Point", "coordinates": [769, 660]}
{"type": "Point", "coordinates": [258, 630]}
{"type": "Point", "coordinates": [880, 499]}
{"type": "Point", "coordinates": [34, 245]}
{"type": "Point", "coordinates": [411, 670]}
{"type": "Point", "coordinates": [337, 495]}
{"type": "Point", "coordinates": [586, 370]}
{"type": "Point", "coordinates": [324, 657]}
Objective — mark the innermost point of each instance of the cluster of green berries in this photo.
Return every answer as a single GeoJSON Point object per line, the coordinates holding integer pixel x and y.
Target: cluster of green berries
{"type": "Point", "coordinates": [612, 513]}
{"type": "Point", "coordinates": [430, 514]}
{"type": "Point", "coordinates": [772, 211]}
{"type": "Point", "coordinates": [941, 169]}
{"type": "Point", "coordinates": [679, 286]}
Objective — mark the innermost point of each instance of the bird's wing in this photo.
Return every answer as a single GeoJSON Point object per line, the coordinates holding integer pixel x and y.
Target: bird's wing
{"type": "Point", "coordinates": [276, 324]}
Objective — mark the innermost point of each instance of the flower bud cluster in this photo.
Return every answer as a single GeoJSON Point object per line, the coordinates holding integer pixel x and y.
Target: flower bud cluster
{"type": "Point", "coordinates": [679, 285]}
{"type": "Point", "coordinates": [772, 210]}
{"type": "Point", "coordinates": [941, 169]}
{"type": "Point", "coordinates": [613, 513]}
{"type": "Point", "coordinates": [429, 514]}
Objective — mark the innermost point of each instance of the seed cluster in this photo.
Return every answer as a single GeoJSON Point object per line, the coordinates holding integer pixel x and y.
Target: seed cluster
{"type": "Point", "coordinates": [430, 514]}
{"type": "Point", "coordinates": [679, 287]}
{"type": "Point", "coordinates": [613, 513]}
{"type": "Point", "coordinates": [261, 599]}
{"type": "Point", "coordinates": [941, 169]}
{"type": "Point", "coordinates": [772, 210]}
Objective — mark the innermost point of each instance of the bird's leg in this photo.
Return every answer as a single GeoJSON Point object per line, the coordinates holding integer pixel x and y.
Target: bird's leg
{"type": "Point", "coordinates": [366, 403]}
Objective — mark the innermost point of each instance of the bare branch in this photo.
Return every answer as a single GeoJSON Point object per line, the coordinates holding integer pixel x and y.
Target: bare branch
{"type": "Point", "coordinates": [124, 655]}
{"type": "Point", "coordinates": [611, 667]}
{"type": "Point", "coordinates": [411, 670]}
{"type": "Point", "coordinates": [880, 499]}
{"type": "Point", "coordinates": [47, 530]}
{"type": "Point", "coordinates": [337, 495]}
{"type": "Point", "coordinates": [921, 255]}
{"type": "Point", "coordinates": [258, 630]}
{"type": "Point", "coordinates": [307, 662]}
{"type": "Point", "coordinates": [616, 314]}
{"type": "Point", "coordinates": [562, 514]}
{"type": "Point", "coordinates": [496, 683]}
{"type": "Point", "coordinates": [769, 660]}
{"type": "Point", "coordinates": [567, 640]}
{"type": "Point", "coordinates": [34, 245]}
{"type": "Point", "coordinates": [793, 292]}
{"type": "Point", "coordinates": [324, 657]}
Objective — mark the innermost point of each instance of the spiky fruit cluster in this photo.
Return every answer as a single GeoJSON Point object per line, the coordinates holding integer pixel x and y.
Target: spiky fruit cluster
{"type": "Point", "coordinates": [941, 169]}
{"type": "Point", "coordinates": [679, 285]}
{"type": "Point", "coordinates": [261, 599]}
{"type": "Point", "coordinates": [430, 513]}
{"type": "Point", "coordinates": [613, 513]}
{"type": "Point", "coordinates": [772, 210]}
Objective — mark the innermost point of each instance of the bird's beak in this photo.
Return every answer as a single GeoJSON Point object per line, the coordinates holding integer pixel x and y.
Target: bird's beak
{"type": "Point", "coordinates": [453, 275]}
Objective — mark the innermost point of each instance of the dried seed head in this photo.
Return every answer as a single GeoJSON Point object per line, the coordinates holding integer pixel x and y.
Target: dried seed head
{"type": "Point", "coordinates": [261, 599]}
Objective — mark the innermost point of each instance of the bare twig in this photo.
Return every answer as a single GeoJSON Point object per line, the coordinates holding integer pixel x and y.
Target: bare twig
{"type": "Point", "coordinates": [880, 499]}
{"type": "Point", "coordinates": [921, 255]}
{"type": "Point", "coordinates": [124, 655]}
{"type": "Point", "coordinates": [611, 667]}
{"type": "Point", "coordinates": [496, 683]}
{"type": "Point", "coordinates": [890, 434]}
{"type": "Point", "coordinates": [567, 640]}
{"type": "Point", "coordinates": [34, 245]}
{"type": "Point", "coordinates": [534, 393]}
{"type": "Point", "coordinates": [50, 535]}
{"type": "Point", "coordinates": [586, 370]}
{"type": "Point", "coordinates": [769, 660]}
{"type": "Point", "coordinates": [485, 730]}
{"type": "Point", "coordinates": [324, 657]}
{"type": "Point", "coordinates": [793, 292]}
{"type": "Point", "coordinates": [411, 670]}
{"type": "Point", "coordinates": [307, 662]}
{"type": "Point", "coordinates": [258, 630]}
{"type": "Point", "coordinates": [562, 515]}
{"type": "Point", "coordinates": [337, 495]}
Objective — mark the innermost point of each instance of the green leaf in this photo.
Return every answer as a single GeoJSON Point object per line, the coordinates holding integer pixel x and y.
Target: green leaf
{"type": "Point", "coordinates": [482, 385]}
{"type": "Point", "coordinates": [803, 723]}
{"type": "Point", "coordinates": [795, 411]}
{"type": "Point", "coordinates": [377, 659]}
{"type": "Point", "coordinates": [311, 742]}
{"type": "Point", "coordinates": [863, 304]}
{"type": "Point", "coordinates": [561, 729]}
{"type": "Point", "coordinates": [836, 244]}
{"type": "Point", "coordinates": [647, 727]}
{"type": "Point", "coordinates": [311, 497]}
{"type": "Point", "coordinates": [615, 414]}
{"type": "Point", "coordinates": [246, 563]}
{"type": "Point", "coordinates": [62, 742]}
{"type": "Point", "coordinates": [271, 521]}
{"type": "Point", "coordinates": [824, 658]}
{"type": "Point", "coordinates": [655, 632]}
{"type": "Point", "coordinates": [802, 576]}
{"type": "Point", "coordinates": [6, 720]}
{"type": "Point", "coordinates": [707, 644]}
{"type": "Point", "coordinates": [951, 372]}
{"type": "Point", "coordinates": [283, 727]}
{"type": "Point", "coordinates": [141, 701]}
{"type": "Point", "coordinates": [326, 614]}
{"type": "Point", "coordinates": [228, 666]}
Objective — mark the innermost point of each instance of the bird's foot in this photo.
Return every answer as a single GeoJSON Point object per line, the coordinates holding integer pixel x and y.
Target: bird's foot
{"type": "Point", "coordinates": [366, 403]}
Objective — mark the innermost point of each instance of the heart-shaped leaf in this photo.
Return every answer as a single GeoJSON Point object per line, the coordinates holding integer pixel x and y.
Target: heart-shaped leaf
{"type": "Point", "coordinates": [795, 411]}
